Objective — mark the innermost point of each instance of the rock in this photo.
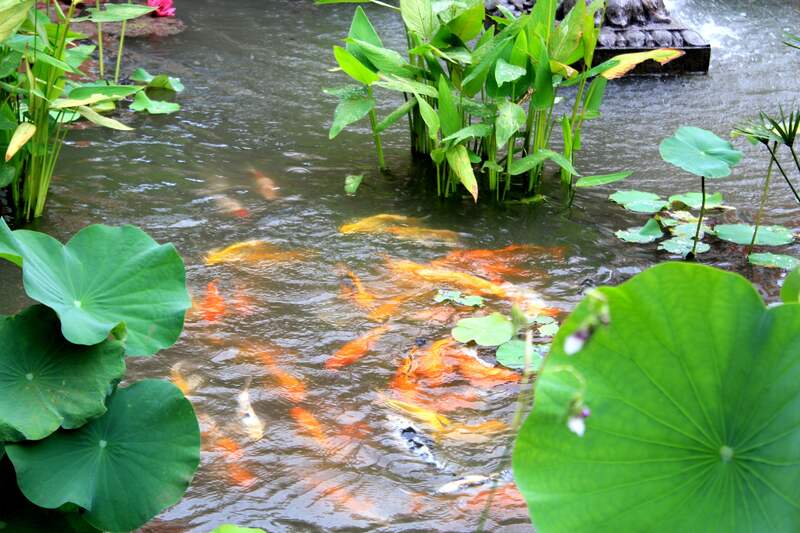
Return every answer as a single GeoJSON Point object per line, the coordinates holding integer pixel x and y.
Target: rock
{"type": "Point", "coordinates": [608, 37]}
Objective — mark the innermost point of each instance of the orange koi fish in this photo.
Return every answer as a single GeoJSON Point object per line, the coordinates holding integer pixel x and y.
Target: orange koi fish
{"type": "Point", "coordinates": [240, 475]}
{"type": "Point", "coordinates": [377, 223]}
{"type": "Point", "coordinates": [481, 374]}
{"type": "Point", "coordinates": [187, 385]}
{"type": "Point", "coordinates": [356, 349]}
{"type": "Point", "coordinates": [242, 303]}
{"type": "Point", "coordinates": [254, 251]}
{"type": "Point", "coordinates": [291, 387]}
{"type": "Point", "coordinates": [214, 304]}
{"type": "Point", "coordinates": [266, 186]}
{"type": "Point", "coordinates": [431, 363]}
{"type": "Point", "coordinates": [362, 297]}
{"type": "Point", "coordinates": [440, 275]}
{"type": "Point", "coordinates": [309, 425]}
{"type": "Point", "coordinates": [474, 434]}
{"type": "Point", "coordinates": [232, 207]}
{"type": "Point", "coordinates": [341, 496]}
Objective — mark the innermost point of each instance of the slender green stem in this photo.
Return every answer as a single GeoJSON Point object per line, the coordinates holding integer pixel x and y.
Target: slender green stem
{"type": "Point", "coordinates": [783, 173]}
{"type": "Point", "coordinates": [760, 214]}
{"type": "Point", "coordinates": [121, 49]}
{"type": "Point", "coordinates": [702, 213]}
{"type": "Point", "coordinates": [794, 156]}
{"type": "Point", "coordinates": [373, 121]}
{"type": "Point", "coordinates": [100, 44]}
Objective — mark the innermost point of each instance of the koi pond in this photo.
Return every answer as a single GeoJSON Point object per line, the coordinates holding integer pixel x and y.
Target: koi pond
{"type": "Point", "coordinates": [306, 354]}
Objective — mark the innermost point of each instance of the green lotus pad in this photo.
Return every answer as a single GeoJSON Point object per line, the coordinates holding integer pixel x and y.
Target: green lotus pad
{"type": "Point", "coordinates": [105, 279]}
{"type": "Point", "coordinates": [688, 402]}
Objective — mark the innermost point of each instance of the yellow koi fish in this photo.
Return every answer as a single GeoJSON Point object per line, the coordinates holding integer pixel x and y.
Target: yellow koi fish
{"type": "Point", "coordinates": [376, 223]}
{"type": "Point", "coordinates": [187, 384]}
{"type": "Point", "coordinates": [254, 251]}
{"type": "Point", "coordinates": [432, 418]}
{"type": "Point", "coordinates": [439, 275]}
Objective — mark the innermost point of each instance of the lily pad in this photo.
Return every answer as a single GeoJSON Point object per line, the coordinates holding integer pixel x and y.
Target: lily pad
{"type": "Point", "coordinates": [122, 468]}
{"type": "Point", "coordinates": [105, 279]}
{"type": "Point", "coordinates": [512, 355]}
{"type": "Point", "coordinates": [142, 102]}
{"type": "Point", "coordinates": [691, 403]}
{"type": "Point", "coordinates": [650, 232]}
{"type": "Point", "coordinates": [118, 12]}
{"type": "Point", "coordinates": [160, 81]}
{"type": "Point", "coordinates": [700, 152]}
{"type": "Point", "coordinates": [492, 330]}
{"type": "Point", "coordinates": [785, 262]}
{"type": "Point", "coordinates": [228, 528]}
{"type": "Point", "coordinates": [694, 200]}
{"type": "Point", "coordinates": [549, 330]}
{"type": "Point", "coordinates": [743, 234]}
{"type": "Point", "coordinates": [683, 246]}
{"type": "Point", "coordinates": [46, 382]}
{"type": "Point", "coordinates": [639, 201]}
{"type": "Point", "coordinates": [687, 230]}
{"type": "Point", "coordinates": [456, 297]}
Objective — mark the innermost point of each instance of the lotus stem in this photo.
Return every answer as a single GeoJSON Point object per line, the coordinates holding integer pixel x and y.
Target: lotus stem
{"type": "Point", "coordinates": [702, 213]}
{"type": "Point", "coordinates": [764, 194]}
{"type": "Point", "coordinates": [794, 156]}
{"type": "Point", "coordinates": [100, 45]}
{"type": "Point", "coordinates": [120, 49]}
{"type": "Point", "coordinates": [373, 122]}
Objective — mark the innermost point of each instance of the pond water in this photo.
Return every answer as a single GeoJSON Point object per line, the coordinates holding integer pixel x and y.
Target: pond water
{"type": "Point", "coordinates": [254, 70]}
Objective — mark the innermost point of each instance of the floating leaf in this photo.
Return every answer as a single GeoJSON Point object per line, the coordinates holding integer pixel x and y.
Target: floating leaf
{"type": "Point", "coordinates": [549, 330]}
{"type": "Point", "coordinates": [46, 382]}
{"type": "Point", "coordinates": [650, 232]}
{"type": "Point", "coordinates": [351, 184]}
{"type": "Point", "coordinates": [687, 230]}
{"type": "Point", "coordinates": [492, 330]}
{"type": "Point", "coordinates": [161, 81]}
{"type": "Point", "coordinates": [743, 234]}
{"type": "Point", "coordinates": [142, 102]}
{"type": "Point", "coordinates": [693, 200]}
{"type": "Point", "coordinates": [693, 398]}
{"type": "Point", "coordinates": [106, 279]}
{"type": "Point", "coordinates": [228, 528]}
{"type": "Point", "coordinates": [682, 246]}
{"type": "Point", "coordinates": [700, 152]}
{"type": "Point", "coordinates": [603, 179]}
{"type": "Point", "coordinates": [639, 201]}
{"type": "Point", "coordinates": [512, 355]}
{"type": "Point", "coordinates": [785, 262]}
{"type": "Point", "coordinates": [124, 467]}
{"type": "Point", "coordinates": [456, 297]}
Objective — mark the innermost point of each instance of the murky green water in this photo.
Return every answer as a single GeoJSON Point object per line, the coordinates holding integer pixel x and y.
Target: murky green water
{"type": "Point", "coordinates": [254, 70]}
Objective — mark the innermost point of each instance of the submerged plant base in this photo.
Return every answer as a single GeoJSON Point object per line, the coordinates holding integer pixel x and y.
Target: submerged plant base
{"type": "Point", "coordinates": [7, 210]}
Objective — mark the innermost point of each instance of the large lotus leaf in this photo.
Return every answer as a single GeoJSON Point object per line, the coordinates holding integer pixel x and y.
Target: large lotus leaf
{"type": "Point", "coordinates": [47, 382]}
{"type": "Point", "coordinates": [700, 152]}
{"type": "Point", "coordinates": [106, 277]}
{"type": "Point", "coordinates": [743, 234]}
{"type": "Point", "coordinates": [693, 392]}
{"type": "Point", "coordinates": [124, 467]}
{"type": "Point", "coordinates": [18, 515]}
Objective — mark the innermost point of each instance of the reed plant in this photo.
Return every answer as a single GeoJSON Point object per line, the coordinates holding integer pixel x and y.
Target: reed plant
{"type": "Point", "coordinates": [483, 100]}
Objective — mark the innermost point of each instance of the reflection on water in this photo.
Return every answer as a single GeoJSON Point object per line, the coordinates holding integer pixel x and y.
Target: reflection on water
{"type": "Point", "coordinates": [248, 159]}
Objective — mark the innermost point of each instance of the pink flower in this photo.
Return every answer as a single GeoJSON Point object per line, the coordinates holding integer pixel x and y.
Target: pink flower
{"type": "Point", "coordinates": [164, 8]}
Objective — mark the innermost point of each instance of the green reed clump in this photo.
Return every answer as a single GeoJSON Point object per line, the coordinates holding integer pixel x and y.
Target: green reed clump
{"type": "Point", "coordinates": [482, 101]}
